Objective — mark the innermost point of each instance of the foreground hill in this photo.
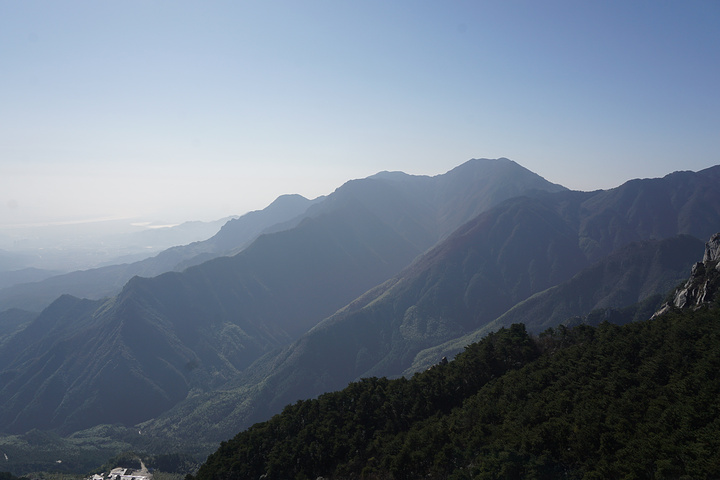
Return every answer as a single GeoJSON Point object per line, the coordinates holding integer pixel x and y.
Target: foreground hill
{"type": "Point", "coordinates": [460, 287]}
{"type": "Point", "coordinates": [180, 334]}
{"type": "Point", "coordinates": [633, 401]}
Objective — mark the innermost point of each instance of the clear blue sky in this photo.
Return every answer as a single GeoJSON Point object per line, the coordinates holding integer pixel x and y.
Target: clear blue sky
{"type": "Point", "coordinates": [200, 109]}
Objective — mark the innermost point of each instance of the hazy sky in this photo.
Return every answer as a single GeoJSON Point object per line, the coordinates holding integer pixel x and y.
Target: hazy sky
{"type": "Point", "coordinates": [200, 109]}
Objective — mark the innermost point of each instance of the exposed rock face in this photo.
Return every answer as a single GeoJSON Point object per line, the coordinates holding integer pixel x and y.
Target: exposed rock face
{"type": "Point", "coordinates": [704, 283]}
{"type": "Point", "coordinates": [712, 250]}
{"type": "Point", "coordinates": [694, 291]}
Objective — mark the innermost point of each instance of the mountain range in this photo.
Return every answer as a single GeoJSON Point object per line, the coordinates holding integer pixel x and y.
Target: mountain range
{"type": "Point", "coordinates": [383, 277]}
{"type": "Point", "coordinates": [176, 333]}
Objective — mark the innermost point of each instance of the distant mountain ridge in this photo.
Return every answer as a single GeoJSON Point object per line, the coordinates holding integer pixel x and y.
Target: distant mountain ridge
{"type": "Point", "coordinates": [106, 281]}
{"type": "Point", "coordinates": [460, 194]}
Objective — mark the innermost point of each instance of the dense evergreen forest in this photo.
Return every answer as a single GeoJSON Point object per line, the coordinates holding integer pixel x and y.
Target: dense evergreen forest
{"type": "Point", "coordinates": [10, 476]}
{"type": "Point", "coordinates": [640, 400]}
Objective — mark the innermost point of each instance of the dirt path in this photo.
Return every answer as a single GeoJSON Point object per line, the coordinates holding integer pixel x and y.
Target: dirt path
{"type": "Point", "coordinates": [143, 470]}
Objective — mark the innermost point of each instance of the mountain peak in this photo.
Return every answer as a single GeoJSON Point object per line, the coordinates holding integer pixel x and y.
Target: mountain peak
{"type": "Point", "coordinates": [392, 175]}
{"type": "Point", "coordinates": [289, 198]}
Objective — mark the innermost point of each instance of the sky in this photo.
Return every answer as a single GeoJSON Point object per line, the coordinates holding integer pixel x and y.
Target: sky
{"type": "Point", "coordinates": [188, 110]}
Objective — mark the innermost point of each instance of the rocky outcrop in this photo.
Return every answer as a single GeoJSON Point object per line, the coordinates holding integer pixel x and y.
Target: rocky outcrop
{"type": "Point", "coordinates": [704, 283]}
{"type": "Point", "coordinates": [712, 250]}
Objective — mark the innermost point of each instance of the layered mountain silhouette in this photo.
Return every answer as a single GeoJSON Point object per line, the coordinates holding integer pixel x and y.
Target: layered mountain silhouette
{"type": "Point", "coordinates": [180, 334]}
{"type": "Point", "coordinates": [437, 205]}
{"type": "Point", "coordinates": [107, 281]}
{"type": "Point", "coordinates": [463, 287]}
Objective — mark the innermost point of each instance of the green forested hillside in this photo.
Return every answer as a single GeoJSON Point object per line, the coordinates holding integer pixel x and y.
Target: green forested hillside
{"type": "Point", "coordinates": [635, 401]}
{"type": "Point", "coordinates": [8, 476]}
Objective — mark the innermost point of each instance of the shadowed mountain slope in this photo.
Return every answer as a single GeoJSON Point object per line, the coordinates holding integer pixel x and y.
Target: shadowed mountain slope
{"type": "Point", "coordinates": [635, 273]}
{"type": "Point", "coordinates": [679, 203]}
{"type": "Point", "coordinates": [628, 276]}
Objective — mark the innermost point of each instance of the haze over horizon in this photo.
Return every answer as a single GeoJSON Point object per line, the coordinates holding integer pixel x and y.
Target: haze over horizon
{"type": "Point", "coordinates": [188, 111]}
